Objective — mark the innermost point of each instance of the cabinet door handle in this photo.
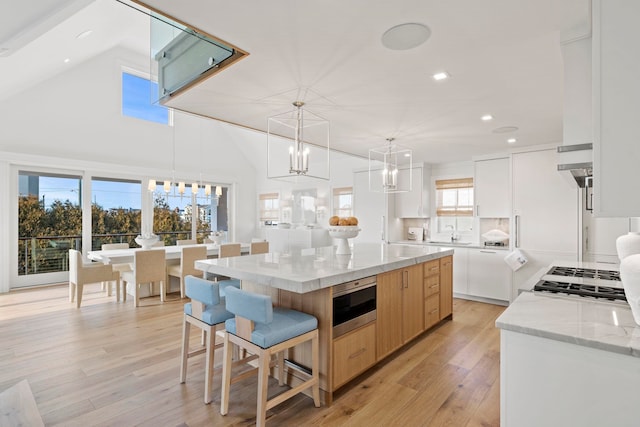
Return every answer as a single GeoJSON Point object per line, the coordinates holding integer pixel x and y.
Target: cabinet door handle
{"type": "Point", "coordinates": [517, 230]}
{"type": "Point", "coordinates": [487, 252]}
{"type": "Point", "coordinates": [405, 279]}
{"type": "Point", "coordinates": [477, 210]}
{"type": "Point", "coordinates": [357, 353]}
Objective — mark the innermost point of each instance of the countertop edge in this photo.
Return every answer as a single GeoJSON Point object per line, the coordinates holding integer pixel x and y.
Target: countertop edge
{"type": "Point", "coordinates": [305, 286]}
{"type": "Point", "coordinates": [517, 319]}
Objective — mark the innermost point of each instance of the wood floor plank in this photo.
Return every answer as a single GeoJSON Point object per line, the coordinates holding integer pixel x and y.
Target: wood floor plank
{"type": "Point", "coordinates": [110, 364]}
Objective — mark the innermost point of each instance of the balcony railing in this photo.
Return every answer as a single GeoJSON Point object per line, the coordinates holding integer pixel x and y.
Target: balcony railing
{"type": "Point", "coordinates": [37, 255]}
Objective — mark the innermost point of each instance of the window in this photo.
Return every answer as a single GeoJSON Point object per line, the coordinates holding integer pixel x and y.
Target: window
{"type": "Point", "coordinates": [115, 211]}
{"type": "Point", "coordinates": [136, 100]}
{"type": "Point", "coordinates": [174, 213]}
{"type": "Point", "coordinates": [269, 207]}
{"type": "Point", "coordinates": [343, 201]}
{"type": "Point", "coordinates": [454, 204]}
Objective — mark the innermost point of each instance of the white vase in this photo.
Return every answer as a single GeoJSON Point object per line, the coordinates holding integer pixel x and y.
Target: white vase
{"type": "Point", "coordinates": [628, 244]}
{"type": "Point", "coordinates": [630, 277]}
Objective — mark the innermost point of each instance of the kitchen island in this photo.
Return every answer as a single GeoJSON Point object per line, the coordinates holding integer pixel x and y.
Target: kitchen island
{"type": "Point", "coordinates": [568, 360]}
{"type": "Point", "coordinates": [413, 292]}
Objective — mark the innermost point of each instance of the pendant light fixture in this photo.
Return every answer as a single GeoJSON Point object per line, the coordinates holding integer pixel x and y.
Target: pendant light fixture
{"type": "Point", "coordinates": [390, 168]}
{"type": "Point", "coordinates": [297, 145]}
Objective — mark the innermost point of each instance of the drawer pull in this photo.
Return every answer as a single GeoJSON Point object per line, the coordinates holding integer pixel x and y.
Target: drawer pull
{"type": "Point", "coordinates": [433, 311]}
{"type": "Point", "coordinates": [357, 353]}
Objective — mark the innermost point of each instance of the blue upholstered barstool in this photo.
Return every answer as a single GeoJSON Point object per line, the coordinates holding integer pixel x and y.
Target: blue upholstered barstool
{"type": "Point", "coordinates": [264, 331]}
{"type": "Point", "coordinates": [206, 311]}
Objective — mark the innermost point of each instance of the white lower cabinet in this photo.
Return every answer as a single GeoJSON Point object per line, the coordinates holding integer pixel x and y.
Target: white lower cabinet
{"type": "Point", "coordinates": [488, 275]}
{"type": "Point", "coordinates": [460, 284]}
{"type": "Point", "coordinates": [544, 382]}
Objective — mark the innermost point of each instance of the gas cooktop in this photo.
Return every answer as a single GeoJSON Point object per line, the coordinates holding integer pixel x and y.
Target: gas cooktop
{"type": "Point", "coordinates": [602, 284]}
{"type": "Point", "coordinates": [590, 273]}
{"type": "Point", "coordinates": [584, 290]}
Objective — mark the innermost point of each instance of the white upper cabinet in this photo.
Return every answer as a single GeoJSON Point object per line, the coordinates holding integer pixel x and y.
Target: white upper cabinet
{"type": "Point", "coordinates": [369, 208]}
{"type": "Point", "coordinates": [492, 187]}
{"type": "Point", "coordinates": [616, 103]}
{"type": "Point", "coordinates": [415, 203]}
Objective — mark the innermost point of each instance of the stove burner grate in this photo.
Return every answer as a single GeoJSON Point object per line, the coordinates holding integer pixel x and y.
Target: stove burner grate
{"type": "Point", "coordinates": [594, 291]}
{"type": "Point", "coordinates": [589, 273]}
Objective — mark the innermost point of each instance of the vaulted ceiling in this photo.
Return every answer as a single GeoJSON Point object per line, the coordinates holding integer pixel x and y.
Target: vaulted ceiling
{"type": "Point", "coordinates": [503, 58]}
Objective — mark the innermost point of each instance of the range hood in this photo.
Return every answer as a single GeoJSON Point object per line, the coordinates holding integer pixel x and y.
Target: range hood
{"type": "Point", "coordinates": [575, 162]}
{"type": "Point", "coordinates": [575, 155]}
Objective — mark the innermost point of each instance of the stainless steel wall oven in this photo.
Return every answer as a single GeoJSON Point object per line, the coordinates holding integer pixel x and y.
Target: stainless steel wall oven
{"type": "Point", "coordinates": [354, 304]}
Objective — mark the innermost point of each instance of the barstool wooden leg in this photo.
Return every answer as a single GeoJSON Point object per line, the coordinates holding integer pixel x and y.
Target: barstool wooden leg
{"type": "Point", "coordinates": [210, 355]}
{"type": "Point", "coordinates": [315, 367]}
{"type": "Point", "coordinates": [226, 375]}
{"type": "Point", "coordinates": [186, 330]}
{"type": "Point", "coordinates": [280, 362]}
{"type": "Point", "coordinates": [263, 383]}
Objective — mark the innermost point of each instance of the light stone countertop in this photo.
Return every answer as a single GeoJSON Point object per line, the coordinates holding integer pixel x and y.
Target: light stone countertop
{"type": "Point", "coordinates": [307, 270]}
{"type": "Point", "coordinates": [602, 325]}
{"type": "Point", "coordinates": [471, 245]}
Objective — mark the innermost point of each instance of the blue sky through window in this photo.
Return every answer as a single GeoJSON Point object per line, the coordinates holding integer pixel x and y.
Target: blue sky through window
{"type": "Point", "coordinates": [136, 100]}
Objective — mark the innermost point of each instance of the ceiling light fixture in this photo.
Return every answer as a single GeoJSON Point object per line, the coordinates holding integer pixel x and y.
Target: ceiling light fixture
{"type": "Point", "coordinates": [443, 75]}
{"type": "Point", "coordinates": [67, 60]}
{"type": "Point", "coordinates": [487, 117]}
{"type": "Point", "coordinates": [511, 140]}
{"type": "Point", "coordinates": [405, 36]}
{"type": "Point", "coordinates": [390, 168]}
{"type": "Point", "coordinates": [298, 136]}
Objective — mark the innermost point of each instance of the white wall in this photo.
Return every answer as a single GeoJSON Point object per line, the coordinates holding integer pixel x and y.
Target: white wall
{"type": "Point", "coordinates": [74, 121]}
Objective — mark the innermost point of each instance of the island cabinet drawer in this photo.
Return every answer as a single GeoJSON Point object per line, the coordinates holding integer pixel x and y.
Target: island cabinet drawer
{"type": "Point", "coordinates": [431, 311]}
{"type": "Point", "coordinates": [353, 353]}
{"type": "Point", "coordinates": [432, 268]}
{"type": "Point", "coordinates": [431, 285]}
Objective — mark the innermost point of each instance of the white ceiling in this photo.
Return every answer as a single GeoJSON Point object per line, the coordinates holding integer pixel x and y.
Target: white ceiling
{"type": "Point", "coordinates": [503, 57]}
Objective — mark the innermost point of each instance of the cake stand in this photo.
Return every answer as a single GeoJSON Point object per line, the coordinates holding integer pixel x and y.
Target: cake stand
{"type": "Point", "coordinates": [147, 241]}
{"type": "Point", "coordinates": [342, 234]}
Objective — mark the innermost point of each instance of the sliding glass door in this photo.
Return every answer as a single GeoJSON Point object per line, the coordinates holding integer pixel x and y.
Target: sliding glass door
{"type": "Point", "coordinates": [49, 224]}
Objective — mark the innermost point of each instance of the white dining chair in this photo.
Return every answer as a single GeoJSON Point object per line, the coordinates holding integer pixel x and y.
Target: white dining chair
{"type": "Point", "coordinates": [259, 248]}
{"type": "Point", "coordinates": [121, 267]}
{"type": "Point", "coordinates": [186, 242]}
{"type": "Point", "coordinates": [188, 256]}
{"type": "Point", "coordinates": [149, 266]}
{"type": "Point", "coordinates": [81, 273]}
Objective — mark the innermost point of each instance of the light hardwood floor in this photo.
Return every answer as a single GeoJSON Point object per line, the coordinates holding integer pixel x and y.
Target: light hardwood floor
{"type": "Point", "coordinates": [110, 364]}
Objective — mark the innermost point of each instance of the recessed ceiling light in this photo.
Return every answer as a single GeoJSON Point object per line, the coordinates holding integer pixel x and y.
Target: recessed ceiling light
{"type": "Point", "coordinates": [441, 76]}
{"type": "Point", "coordinates": [487, 117]}
{"type": "Point", "coordinates": [67, 60]}
{"type": "Point", "coordinates": [84, 34]}
{"type": "Point", "coordinates": [405, 36]}
{"type": "Point", "coordinates": [505, 129]}
{"type": "Point", "coordinates": [511, 140]}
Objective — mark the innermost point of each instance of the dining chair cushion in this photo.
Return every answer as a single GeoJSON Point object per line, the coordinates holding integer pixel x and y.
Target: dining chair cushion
{"type": "Point", "coordinates": [212, 314]}
{"type": "Point", "coordinates": [283, 325]}
{"type": "Point", "coordinates": [256, 307]}
{"type": "Point", "coordinates": [202, 290]}
{"type": "Point", "coordinates": [206, 292]}
{"type": "Point", "coordinates": [229, 282]}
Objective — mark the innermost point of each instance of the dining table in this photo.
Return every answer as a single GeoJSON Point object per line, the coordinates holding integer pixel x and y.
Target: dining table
{"type": "Point", "coordinates": [122, 256]}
